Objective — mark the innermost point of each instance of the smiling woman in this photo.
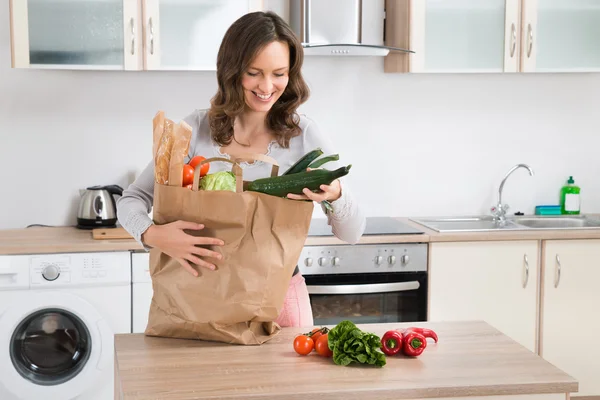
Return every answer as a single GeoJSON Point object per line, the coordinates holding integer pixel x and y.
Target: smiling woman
{"type": "Point", "coordinates": [260, 87]}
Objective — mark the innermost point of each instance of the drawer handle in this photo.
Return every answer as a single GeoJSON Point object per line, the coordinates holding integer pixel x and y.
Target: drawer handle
{"type": "Point", "coordinates": [557, 275]}
{"type": "Point", "coordinates": [526, 265]}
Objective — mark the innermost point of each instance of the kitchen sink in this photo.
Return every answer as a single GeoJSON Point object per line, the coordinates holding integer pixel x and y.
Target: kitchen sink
{"type": "Point", "coordinates": [489, 224]}
{"type": "Point", "coordinates": [558, 222]}
{"type": "Point", "coordinates": [465, 224]}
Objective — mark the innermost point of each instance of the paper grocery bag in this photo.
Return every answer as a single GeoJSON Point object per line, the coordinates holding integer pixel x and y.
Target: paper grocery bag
{"type": "Point", "coordinates": [239, 301]}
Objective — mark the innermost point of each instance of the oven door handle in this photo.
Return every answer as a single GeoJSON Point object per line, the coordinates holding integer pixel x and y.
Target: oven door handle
{"type": "Point", "coordinates": [364, 289]}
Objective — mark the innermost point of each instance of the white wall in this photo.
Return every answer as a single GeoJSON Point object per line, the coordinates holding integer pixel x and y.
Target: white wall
{"type": "Point", "coordinates": [419, 145]}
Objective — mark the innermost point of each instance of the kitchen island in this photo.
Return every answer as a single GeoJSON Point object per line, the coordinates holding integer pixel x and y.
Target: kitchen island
{"type": "Point", "coordinates": [471, 360]}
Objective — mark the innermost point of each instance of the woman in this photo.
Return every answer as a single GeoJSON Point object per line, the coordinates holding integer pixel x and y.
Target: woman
{"type": "Point", "coordinates": [260, 87]}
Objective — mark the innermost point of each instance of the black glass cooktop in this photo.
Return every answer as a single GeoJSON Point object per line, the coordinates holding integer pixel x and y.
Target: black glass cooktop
{"type": "Point", "coordinates": [375, 226]}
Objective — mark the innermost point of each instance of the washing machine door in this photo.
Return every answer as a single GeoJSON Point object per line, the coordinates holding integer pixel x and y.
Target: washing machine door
{"type": "Point", "coordinates": [53, 345]}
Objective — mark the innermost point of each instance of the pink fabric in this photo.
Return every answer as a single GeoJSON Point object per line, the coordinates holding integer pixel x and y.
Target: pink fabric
{"type": "Point", "coordinates": [296, 310]}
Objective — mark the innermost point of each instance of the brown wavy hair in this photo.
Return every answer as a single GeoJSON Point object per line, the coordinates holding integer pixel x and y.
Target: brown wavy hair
{"type": "Point", "coordinates": [244, 39]}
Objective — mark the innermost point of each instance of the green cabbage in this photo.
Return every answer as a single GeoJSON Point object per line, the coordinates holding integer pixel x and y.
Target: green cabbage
{"type": "Point", "coordinates": [224, 180]}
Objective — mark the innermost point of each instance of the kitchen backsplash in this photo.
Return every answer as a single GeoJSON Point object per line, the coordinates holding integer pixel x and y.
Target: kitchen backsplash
{"type": "Point", "coordinates": [419, 144]}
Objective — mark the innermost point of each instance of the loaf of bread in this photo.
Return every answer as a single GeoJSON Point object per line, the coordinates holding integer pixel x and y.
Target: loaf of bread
{"type": "Point", "coordinates": [158, 127]}
{"type": "Point", "coordinates": [162, 160]}
{"type": "Point", "coordinates": [182, 134]}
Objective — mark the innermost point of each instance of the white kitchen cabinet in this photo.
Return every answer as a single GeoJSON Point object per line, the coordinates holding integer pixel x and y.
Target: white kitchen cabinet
{"type": "Point", "coordinates": [561, 36]}
{"type": "Point", "coordinates": [570, 319]}
{"type": "Point", "coordinates": [121, 34]}
{"type": "Point", "coordinates": [494, 35]}
{"type": "Point", "coordinates": [186, 34]}
{"type": "Point", "coordinates": [75, 34]}
{"type": "Point", "coordinates": [464, 35]}
{"type": "Point", "coordinates": [491, 281]}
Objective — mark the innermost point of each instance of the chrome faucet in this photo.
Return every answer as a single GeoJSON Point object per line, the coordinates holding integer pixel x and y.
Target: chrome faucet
{"type": "Point", "coordinates": [499, 211]}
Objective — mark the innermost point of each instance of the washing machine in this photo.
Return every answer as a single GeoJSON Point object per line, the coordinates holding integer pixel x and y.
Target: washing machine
{"type": "Point", "coordinates": [141, 290]}
{"type": "Point", "coordinates": [58, 317]}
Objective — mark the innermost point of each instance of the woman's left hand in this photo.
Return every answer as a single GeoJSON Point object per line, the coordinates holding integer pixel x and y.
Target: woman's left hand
{"type": "Point", "coordinates": [330, 193]}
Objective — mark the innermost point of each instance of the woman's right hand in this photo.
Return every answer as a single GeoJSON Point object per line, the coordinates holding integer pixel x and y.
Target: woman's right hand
{"type": "Point", "coordinates": [173, 241]}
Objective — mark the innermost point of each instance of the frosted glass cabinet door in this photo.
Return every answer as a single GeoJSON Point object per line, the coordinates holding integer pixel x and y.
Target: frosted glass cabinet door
{"type": "Point", "coordinates": [186, 34]}
{"type": "Point", "coordinates": [77, 34]}
{"type": "Point", "coordinates": [561, 35]}
{"type": "Point", "coordinates": [464, 35]}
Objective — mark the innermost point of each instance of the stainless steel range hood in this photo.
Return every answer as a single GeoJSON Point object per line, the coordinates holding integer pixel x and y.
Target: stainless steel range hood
{"type": "Point", "coordinates": [340, 27]}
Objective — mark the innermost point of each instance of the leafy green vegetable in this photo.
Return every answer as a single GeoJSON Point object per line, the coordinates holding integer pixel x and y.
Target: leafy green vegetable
{"type": "Point", "coordinates": [350, 344]}
{"type": "Point", "coordinates": [224, 180]}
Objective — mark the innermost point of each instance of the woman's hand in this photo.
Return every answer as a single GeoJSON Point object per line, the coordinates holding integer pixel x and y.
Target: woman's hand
{"type": "Point", "coordinates": [330, 192]}
{"type": "Point", "coordinates": [172, 240]}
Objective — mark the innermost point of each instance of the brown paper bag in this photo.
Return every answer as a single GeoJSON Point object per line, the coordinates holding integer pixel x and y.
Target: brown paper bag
{"type": "Point", "coordinates": [239, 301]}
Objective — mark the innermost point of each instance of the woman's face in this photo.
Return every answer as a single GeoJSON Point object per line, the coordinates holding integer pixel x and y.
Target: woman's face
{"type": "Point", "coordinates": [267, 77]}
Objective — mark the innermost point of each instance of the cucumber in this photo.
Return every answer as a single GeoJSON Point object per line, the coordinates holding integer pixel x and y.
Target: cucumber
{"type": "Point", "coordinates": [304, 161]}
{"type": "Point", "coordinates": [282, 185]}
{"type": "Point", "coordinates": [317, 163]}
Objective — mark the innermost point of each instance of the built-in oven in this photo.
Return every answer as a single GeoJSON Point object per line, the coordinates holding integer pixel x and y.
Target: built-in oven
{"type": "Point", "coordinates": [366, 283]}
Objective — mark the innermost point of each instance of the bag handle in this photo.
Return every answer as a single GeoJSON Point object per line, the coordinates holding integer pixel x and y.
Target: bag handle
{"type": "Point", "coordinates": [236, 169]}
{"type": "Point", "coordinates": [260, 157]}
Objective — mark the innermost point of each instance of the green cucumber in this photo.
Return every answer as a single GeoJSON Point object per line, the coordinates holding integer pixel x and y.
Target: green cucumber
{"type": "Point", "coordinates": [281, 186]}
{"type": "Point", "coordinates": [320, 161]}
{"type": "Point", "coordinates": [304, 161]}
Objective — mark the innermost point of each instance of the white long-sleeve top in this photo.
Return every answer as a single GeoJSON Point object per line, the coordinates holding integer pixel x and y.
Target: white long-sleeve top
{"type": "Point", "coordinates": [347, 219]}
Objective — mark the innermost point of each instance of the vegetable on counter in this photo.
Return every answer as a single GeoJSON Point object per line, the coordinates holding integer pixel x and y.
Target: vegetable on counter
{"type": "Point", "coordinates": [303, 344]}
{"type": "Point", "coordinates": [413, 343]}
{"type": "Point", "coordinates": [322, 346]}
{"type": "Point", "coordinates": [349, 344]}
{"type": "Point", "coordinates": [307, 342]}
{"type": "Point", "coordinates": [391, 343]}
{"type": "Point", "coordinates": [428, 333]}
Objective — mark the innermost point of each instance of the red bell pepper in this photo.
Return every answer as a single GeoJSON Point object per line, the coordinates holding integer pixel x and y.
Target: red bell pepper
{"type": "Point", "coordinates": [413, 343]}
{"type": "Point", "coordinates": [428, 333]}
{"type": "Point", "coordinates": [391, 342]}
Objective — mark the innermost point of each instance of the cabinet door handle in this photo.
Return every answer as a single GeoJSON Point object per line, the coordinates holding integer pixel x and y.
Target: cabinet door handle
{"type": "Point", "coordinates": [526, 265]}
{"type": "Point", "coordinates": [557, 274]}
{"type": "Point", "coordinates": [132, 24]}
{"type": "Point", "coordinates": [529, 40]}
{"type": "Point", "coordinates": [151, 29]}
{"type": "Point", "coordinates": [513, 40]}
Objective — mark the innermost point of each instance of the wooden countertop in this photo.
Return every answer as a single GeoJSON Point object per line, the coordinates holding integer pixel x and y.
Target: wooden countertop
{"type": "Point", "coordinates": [37, 240]}
{"type": "Point", "coordinates": [471, 359]}
{"type": "Point", "coordinates": [64, 239]}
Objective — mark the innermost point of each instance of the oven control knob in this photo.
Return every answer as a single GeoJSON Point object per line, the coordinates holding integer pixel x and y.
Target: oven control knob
{"type": "Point", "coordinates": [378, 260]}
{"type": "Point", "coordinates": [392, 260]}
{"type": "Point", "coordinates": [51, 272]}
{"type": "Point", "coordinates": [405, 259]}
{"type": "Point", "coordinates": [335, 261]}
{"type": "Point", "coordinates": [322, 261]}
{"type": "Point", "coordinates": [308, 262]}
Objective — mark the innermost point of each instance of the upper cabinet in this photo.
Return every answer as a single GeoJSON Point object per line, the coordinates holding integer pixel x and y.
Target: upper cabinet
{"type": "Point", "coordinates": [463, 36]}
{"type": "Point", "coordinates": [561, 36]}
{"type": "Point", "coordinates": [450, 36]}
{"type": "Point", "coordinates": [122, 34]}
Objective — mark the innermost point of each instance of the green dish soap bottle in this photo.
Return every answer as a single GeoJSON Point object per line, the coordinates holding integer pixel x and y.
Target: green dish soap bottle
{"type": "Point", "coordinates": [569, 198]}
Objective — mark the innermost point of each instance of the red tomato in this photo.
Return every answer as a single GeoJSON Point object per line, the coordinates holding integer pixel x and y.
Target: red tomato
{"type": "Point", "coordinates": [316, 334]}
{"type": "Point", "coordinates": [196, 160]}
{"type": "Point", "coordinates": [188, 175]}
{"type": "Point", "coordinates": [322, 347]}
{"type": "Point", "coordinates": [303, 344]}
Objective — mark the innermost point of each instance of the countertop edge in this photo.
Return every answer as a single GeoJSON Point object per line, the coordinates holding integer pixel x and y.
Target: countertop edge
{"type": "Point", "coordinates": [67, 239]}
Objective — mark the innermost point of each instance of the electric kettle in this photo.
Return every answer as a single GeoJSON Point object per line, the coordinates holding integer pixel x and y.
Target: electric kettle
{"type": "Point", "coordinates": [97, 207]}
